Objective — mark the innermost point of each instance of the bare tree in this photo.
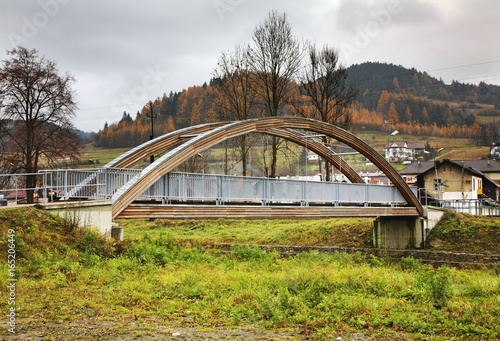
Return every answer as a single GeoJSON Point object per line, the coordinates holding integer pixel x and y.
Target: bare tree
{"type": "Point", "coordinates": [274, 59]}
{"type": "Point", "coordinates": [35, 117]}
{"type": "Point", "coordinates": [328, 95]}
{"type": "Point", "coordinates": [236, 94]}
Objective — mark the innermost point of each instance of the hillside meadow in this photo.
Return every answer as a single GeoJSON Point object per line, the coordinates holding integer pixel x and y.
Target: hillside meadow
{"type": "Point", "coordinates": [165, 279]}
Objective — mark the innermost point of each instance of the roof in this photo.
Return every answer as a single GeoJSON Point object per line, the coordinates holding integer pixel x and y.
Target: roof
{"type": "Point", "coordinates": [20, 194]}
{"type": "Point", "coordinates": [397, 145]}
{"type": "Point", "coordinates": [417, 168]}
{"type": "Point", "coordinates": [484, 166]}
{"type": "Point", "coordinates": [416, 145]}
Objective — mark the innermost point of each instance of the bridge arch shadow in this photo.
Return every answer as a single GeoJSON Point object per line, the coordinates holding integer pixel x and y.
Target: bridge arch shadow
{"type": "Point", "coordinates": [203, 137]}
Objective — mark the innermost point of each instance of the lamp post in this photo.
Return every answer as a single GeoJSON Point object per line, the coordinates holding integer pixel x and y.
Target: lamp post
{"type": "Point", "coordinates": [395, 132]}
{"type": "Point", "coordinates": [202, 163]}
{"type": "Point", "coordinates": [152, 115]}
{"type": "Point", "coordinates": [438, 184]}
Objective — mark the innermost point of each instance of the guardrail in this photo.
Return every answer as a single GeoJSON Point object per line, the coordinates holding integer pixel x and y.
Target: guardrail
{"type": "Point", "coordinates": [483, 207]}
{"type": "Point", "coordinates": [102, 183]}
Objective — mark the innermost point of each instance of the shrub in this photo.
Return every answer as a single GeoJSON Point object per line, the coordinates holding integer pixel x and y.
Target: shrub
{"type": "Point", "coordinates": [409, 263]}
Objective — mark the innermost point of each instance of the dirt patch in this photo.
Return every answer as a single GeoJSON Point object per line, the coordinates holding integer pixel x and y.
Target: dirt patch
{"type": "Point", "coordinates": [150, 329]}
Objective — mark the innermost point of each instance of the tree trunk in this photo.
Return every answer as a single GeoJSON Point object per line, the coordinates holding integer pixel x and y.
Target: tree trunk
{"type": "Point", "coordinates": [225, 158]}
{"type": "Point", "coordinates": [274, 159]}
{"type": "Point", "coordinates": [328, 172]}
{"type": "Point", "coordinates": [243, 153]}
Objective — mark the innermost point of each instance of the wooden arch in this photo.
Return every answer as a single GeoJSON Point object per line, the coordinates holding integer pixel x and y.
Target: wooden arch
{"type": "Point", "coordinates": [166, 141]}
{"type": "Point", "coordinates": [135, 187]}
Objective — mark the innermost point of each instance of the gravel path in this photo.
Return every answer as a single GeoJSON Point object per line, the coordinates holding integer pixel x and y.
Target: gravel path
{"type": "Point", "coordinates": [150, 330]}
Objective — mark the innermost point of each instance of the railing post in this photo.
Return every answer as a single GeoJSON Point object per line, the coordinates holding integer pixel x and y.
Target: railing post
{"type": "Point", "coordinates": [107, 193]}
{"type": "Point", "coordinates": [218, 200]}
{"type": "Point", "coordinates": [46, 200]}
{"type": "Point", "coordinates": [367, 193]}
{"type": "Point", "coordinates": [66, 184]}
{"type": "Point", "coordinates": [166, 188]}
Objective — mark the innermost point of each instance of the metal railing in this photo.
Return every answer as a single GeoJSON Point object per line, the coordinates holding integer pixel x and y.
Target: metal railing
{"type": "Point", "coordinates": [14, 188]}
{"type": "Point", "coordinates": [483, 207]}
{"type": "Point", "coordinates": [102, 183]}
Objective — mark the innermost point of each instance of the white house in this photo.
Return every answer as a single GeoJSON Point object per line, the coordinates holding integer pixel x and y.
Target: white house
{"type": "Point", "coordinates": [402, 151]}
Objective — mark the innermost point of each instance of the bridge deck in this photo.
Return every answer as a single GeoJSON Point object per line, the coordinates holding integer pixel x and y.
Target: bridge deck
{"type": "Point", "coordinates": [260, 212]}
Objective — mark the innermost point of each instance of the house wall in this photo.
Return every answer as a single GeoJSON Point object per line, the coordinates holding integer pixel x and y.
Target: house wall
{"type": "Point", "coordinates": [455, 183]}
{"type": "Point", "coordinates": [494, 176]}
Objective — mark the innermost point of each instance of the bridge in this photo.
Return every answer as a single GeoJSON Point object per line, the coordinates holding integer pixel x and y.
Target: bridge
{"type": "Point", "coordinates": [158, 192]}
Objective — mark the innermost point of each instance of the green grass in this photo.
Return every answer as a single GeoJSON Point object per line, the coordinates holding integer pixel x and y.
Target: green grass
{"type": "Point", "coordinates": [103, 155]}
{"type": "Point", "coordinates": [355, 232]}
{"type": "Point", "coordinates": [164, 272]}
{"type": "Point", "coordinates": [466, 233]}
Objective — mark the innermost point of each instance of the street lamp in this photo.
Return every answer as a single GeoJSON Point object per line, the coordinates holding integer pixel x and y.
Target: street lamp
{"type": "Point", "coordinates": [438, 184]}
{"type": "Point", "coordinates": [395, 132]}
{"type": "Point", "coordinates": [152, 115]}
{"type": "Point", "coordinates": [202, 163]}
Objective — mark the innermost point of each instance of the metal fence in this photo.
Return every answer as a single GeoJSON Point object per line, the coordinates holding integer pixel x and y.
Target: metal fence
{"type": "Point", "coordinates": [14, 188]}
{"type": "Point", "coordinates": [102, 183]}
{"type": "Point", "coordinates": [483, 207]}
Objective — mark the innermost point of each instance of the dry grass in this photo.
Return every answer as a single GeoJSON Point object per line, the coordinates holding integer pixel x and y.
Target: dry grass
{"type": "Point", "coordinates": [472, 153]}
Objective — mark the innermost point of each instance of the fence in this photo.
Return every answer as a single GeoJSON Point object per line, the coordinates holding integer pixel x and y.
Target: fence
{"type": "Point", "coordinates": [102, 183]}
{"type": "Point", "coordinates": [14, 188]}
{"type": "Point", "coordinates": [483, 207]}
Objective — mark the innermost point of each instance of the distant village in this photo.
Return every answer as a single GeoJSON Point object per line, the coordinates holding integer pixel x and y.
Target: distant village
{"type": "Point", "coordinates": [436, 179]}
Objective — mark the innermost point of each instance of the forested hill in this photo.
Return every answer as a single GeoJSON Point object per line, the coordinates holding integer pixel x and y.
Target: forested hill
{"type": "Point", "coordinates": [373, 78]}
{"type": "Point", "coordinates": [390, 97]}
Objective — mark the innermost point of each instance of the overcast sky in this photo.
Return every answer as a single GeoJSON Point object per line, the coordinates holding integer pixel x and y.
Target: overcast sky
{"type": "Point", "coordinates": [124, 52]}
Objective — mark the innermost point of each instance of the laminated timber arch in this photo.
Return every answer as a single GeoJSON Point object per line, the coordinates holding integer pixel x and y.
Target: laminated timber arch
{"type": "Point", "coordinates": [278, 125]}
{"type": "Point", "coordinates": [159, 144]}
{"type": "Point", "coordinates": [166, 141]}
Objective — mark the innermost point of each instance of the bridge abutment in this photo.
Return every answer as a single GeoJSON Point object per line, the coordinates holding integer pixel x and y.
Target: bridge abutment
{"type": "Point", "coordinates": [96, 213]}
{"type": "Point", "coordinates": [405, 232]}
{"type": "Point", "coordinates": [399, 233]}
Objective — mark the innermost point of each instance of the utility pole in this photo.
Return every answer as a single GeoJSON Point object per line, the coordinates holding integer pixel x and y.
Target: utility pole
{"type": "Point", "coordinates": [150, 114]}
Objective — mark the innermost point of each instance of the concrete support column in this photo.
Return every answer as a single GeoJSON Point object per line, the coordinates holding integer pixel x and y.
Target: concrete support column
{"type": "Point", "coordinates": [95, 213]}
{"type": "Point", "coordinates": [399, 233]}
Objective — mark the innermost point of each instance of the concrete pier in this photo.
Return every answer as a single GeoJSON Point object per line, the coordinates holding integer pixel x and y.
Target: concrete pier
{"type": "Point", "coordinates": [399, 233]}
{"type": "Point", "coordinates": [95, 213]}
{"type": "Point", "coordinates": [405, 232]}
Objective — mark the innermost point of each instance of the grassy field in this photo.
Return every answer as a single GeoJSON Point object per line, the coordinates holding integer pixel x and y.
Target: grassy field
{"type": "Point", "coordinates": [163, 276]}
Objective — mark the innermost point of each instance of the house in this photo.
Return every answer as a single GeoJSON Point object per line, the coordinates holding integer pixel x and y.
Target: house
{"type": "Point", "coordinates": [403, 151]}
{"type": "Point", "coordinates": [449, 180]}
{"type": "Point", "coordinates": [376, 178]}
{"type": "Point", "coordinates": [494, 151]}
{"type": "Point", "coordinates": [489, 168]}
{"type": "Point", "coordinates": [417, 149]}
{"type": "Point", "coordinates": [312, 156]}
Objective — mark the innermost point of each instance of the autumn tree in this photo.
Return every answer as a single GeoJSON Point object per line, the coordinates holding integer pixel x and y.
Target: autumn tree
{"type": "Point", "coordinates": [425, 115]}
{"type": "Point", "coordinates": [237, 94]}
{"type": "Point", "coordinates": [35, 117]}
{"type": "Point", "coordinates": [392, 114]}
{"type": "Point", "coordinates": [195, 117]}
{"type": "Point", "coordinates": [408, 115]}
{"type": "Point", "coordinates": [324, 83]}
{"type": "Point", "coordinates": [396, 84]}
{"type": "Point", "coordinates": [383, 101]}
{"type": "Point", "coordinates": [275, 57]}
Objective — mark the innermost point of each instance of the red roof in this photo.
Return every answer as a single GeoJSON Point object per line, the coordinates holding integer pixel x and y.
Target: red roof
{"type": "Point", "coordinates": [20, 194]}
